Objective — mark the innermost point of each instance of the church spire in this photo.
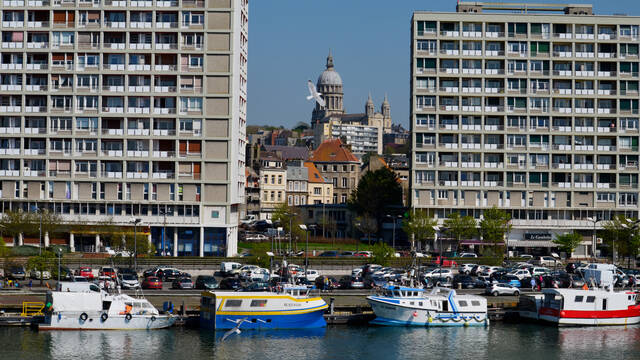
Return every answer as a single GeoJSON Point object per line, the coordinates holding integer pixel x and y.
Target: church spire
{"type": "Point", "coordinates": [368, 107]}
{"type": "Point", "coordinates": [329, 61]}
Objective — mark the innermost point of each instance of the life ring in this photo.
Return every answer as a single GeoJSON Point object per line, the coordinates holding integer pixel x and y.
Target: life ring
{"type": "Point", "coordinates": [84, 316]}
{"type": "Point", "coordinates": [153, 318]}
{"type": "Point", "coordinates": [128, 317]}
{"type": "Point", "coordinates": [478, 317]}
{"type": "Point", "coordinates": [104, 317]}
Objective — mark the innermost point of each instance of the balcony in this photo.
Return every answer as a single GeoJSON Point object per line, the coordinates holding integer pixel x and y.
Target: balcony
{"type": "Point", "coordinates": [140, 88]}
{"type": "Point", "coordinates": [139, 67]}
{"type": "Point", "coordinates": [606, 110]}
{"type": "Point", "coordinates": [137, 175]}
{"type": "Point", "coordinates": [561, 184]}
{"type": "Point", "coordinates": [13, 24]}
{"type": "Point", "coordinates": [34, 152]}
{"type": "Point", "coordinates": [587, 73]}
{"type": "Point", "coordinates": [138, 132]}
{"type": "Point", "coordinates": [164, 154]}
{"type": "Point", "coordinates": [138, 110]}
{"type": "Point", "coordinates": [494, 34]}
{"type": "Point", "coordinates": [113, 88]}
{"type": "Point", "coordinates": [12, 45]}
{"type": "Point", "coordinates": [164, 110]}
{"type": "Point", "coordinates": [138, 153]}
{"type": "Point", "coordinates": [166, 46]}
{"type": "Point", "coordinates": [13, 3]}
{"type": "Point", "coordinates": [165, 89]}
{"type": "Point", "coordinates": [164, 132]}
{"type": "Point", "coordinates": [163, 175]}
{"type": "Point", "coordinates": [10, 87]}
{"type": "Point", "coordinates": [166, 25]}
{"type": "Point", "coordinates": [113, 109]}
{"type": "Point", "coordinates": [112, 153]}
{"type": "Point", "coordinates": [140, 46]}
{"type": "Point", "coordinates": [445, 70]}
{"type": "Point", "coordinates": [11, 108]}
{"type": "Point", "coordinates": [115, 24]}
{"type": "Point", "coordinates": [166, 3]}
{"type": "Point", "coordinates": [116, 3]}
{"type": "Point", "coordinates": [33, 173]}
{"type": "Point", "coordinates": [158, 67]}
{"type": "Point", "coordinates": [193, 3]}
{"type": "Point", "coordinates": [111, 174]}
{"type": "Point", "coordinates": [563, 166]}
{"type": "Point", "coordinates": [141, 3]}
{"type": "Point", "coordinates": [140, 24]}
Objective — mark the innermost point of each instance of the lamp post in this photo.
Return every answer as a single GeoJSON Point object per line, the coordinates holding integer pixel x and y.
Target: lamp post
{"type": "Point", "coordinates": [59, 258]}
{"type": "Point", "coordinates": [306, 250]}
{"type": "Point", "coordinates": [595, 221]}
{"type": "Point", "coordinates": [437, 228]}
{"type": "Point", "coordinates": [135, 222]}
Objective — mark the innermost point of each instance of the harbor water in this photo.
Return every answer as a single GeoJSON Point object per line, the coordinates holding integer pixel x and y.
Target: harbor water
{"type": "Point", "coordinates": [498, 341]}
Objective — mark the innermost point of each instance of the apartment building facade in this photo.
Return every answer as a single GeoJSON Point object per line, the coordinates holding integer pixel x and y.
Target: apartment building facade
{"type": "Point", "coordinates": [112, 110]}
{"type": "Point", "coordinates": [533, 112]}
{"type": "Point", "coordinates": [273, 184]}
{"type": "Point", "coordinates": [336, 162]}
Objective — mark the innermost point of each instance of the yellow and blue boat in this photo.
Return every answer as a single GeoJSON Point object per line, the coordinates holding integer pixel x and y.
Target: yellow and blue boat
{"type": "Point", "coordinates": [289, 308]}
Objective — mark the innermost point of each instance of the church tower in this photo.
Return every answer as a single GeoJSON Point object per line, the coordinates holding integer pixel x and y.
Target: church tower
{"type": "Point", "coordinates": [369, 108]}
{"type": "Point", "coordinates": [329, 84]}
{"type": "Point", "coordinates": [385, 108]}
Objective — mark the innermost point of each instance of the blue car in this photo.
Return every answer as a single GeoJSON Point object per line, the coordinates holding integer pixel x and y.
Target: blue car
{"type": "Point", "coordinates": [510, 280]}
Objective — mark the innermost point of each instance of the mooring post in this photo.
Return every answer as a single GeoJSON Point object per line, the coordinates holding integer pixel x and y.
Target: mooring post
{"type": "Point", "coordinates": [331, 301]}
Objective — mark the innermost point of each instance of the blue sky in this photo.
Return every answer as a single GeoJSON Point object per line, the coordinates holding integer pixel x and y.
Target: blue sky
{"type": "Point", "coordinates": [289, 41]}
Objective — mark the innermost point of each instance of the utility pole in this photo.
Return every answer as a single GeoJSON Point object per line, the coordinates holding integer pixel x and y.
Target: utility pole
{"type": "Point", "coordinates": [40, 235]}
{"type": "Point", "coordinates": [135, 221]}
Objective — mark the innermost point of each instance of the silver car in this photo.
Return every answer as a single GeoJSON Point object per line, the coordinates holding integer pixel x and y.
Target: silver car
{"type": "Point", "coordinates": [496, 289]}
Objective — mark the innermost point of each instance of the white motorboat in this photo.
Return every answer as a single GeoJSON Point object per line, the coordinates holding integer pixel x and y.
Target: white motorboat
{"type": "Point", "coordinates": [99, 310]}
{"type": "Point", "coordinates": [406, 306]}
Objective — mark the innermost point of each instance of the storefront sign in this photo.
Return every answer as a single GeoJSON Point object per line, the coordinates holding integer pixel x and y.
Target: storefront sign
{"type": "Point", "coordinates": [537, 236]}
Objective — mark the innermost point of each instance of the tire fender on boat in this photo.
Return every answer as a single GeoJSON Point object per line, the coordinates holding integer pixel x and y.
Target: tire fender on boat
{"type": "Point", "coordinates": [128, 317]}
{"type": "Point", "coordinates": [104, 317]}
{"type": "Point", "coordinates": [153, 318]}
{"type": "Point", "coordinates": [84, 316]}
{"type": "Point", "coordinates": [457, 318]}
{"type": "Point", "coordinates": [478, 317]}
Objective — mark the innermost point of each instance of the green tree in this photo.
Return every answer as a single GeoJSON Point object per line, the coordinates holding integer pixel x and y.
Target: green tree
{"type": "Point", "coordinates": [14, 223]}
{"type": "Point", "coordinates": [287, 215]}
{"type": "Point", "coordinates": [4, 250]}
{"type": "Point", "coordinates": [623, 235]}
{"type": "Point", "coordinates": [420, 226]}
{"type": "Point", "coordinates": [568, 242]}
{"type": "Point", "coordinates": [41, 263]}
{"type": "Point", "coordinates": [367, 225]}
{"type": "Point", "coordinates": [382, 253]}
{"type": "Point", "coordinates": [460, 227]}
{"type": "Point", "coordinates": [493, 227]}
{"type": "Point", "coordinates": [377, 191]}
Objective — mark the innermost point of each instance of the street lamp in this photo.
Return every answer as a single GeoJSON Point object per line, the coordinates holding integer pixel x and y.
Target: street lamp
{"type": "Point", "coordinates": [303, 227]}
{"type": "Point", "coordinates": [135, 222]}
{"type": "Point", "coordinates": [595, 221]}
{"type": "Point", "coordinates": [437, 228]}
{"type": "Point", "coordinates": [59, 258]}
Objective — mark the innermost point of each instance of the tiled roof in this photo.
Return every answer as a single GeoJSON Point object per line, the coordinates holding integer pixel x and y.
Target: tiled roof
{"type": "Point", "coordinates": [314, 174]}
{"type": "Point", "coordinates": [333, 151]}
{"type": "Point", "coordinates": [289, 152]}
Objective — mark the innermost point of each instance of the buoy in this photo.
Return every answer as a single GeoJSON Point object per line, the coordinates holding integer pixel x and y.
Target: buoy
{"type": "Point", "coordinates": [415, 314]}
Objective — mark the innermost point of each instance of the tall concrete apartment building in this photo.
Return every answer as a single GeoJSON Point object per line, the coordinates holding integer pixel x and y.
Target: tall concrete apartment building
{"type": "Point", "coordinates": [532, 108]}
{"type": "Point", "coordinates": [119, 109]}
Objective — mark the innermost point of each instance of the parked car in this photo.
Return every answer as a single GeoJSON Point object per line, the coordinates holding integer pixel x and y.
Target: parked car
{"type": "Point", "coordinates": [438, 282]}
{"type": "Point", "coordinates": [536, 271]}
{"type": "Point", "coordinates": [488, 271]}
{"type": "Point", "coordinates": [445, 262]}
{"type": "Point", "coordinates": [182, 283]}
{"type": "Point", "coordinates": [520, 273]}
{"type": "Point", "coordinates": [546, 261]}
{"type": "Point", "coordinates": [230, 283]}
{"type": "Point", "coordinates": [312, 275]}
{"type": "Point", "coordinates": [375, 281]}
{"type": "Point", "coordinates": [329, 253]}
{"type": "Point", "coordinates": [85, 271]}
{"type": "Point", "coordinates": [466, 268]}
{"type": "Point", "coordinates": [256, 237]}
{"type": "Point", "coordinates": [152, 282]}
{"type": "Point", "coordinates": [130, 271]}
{"type": "Point", "coordinates": [466, 282]}
{"type": "Point", "coordinates": [244, 271]}
{"type": "Point", "coordinates": [366, 254]}
{"type": "Point", "coordinates": [17, 273]}
{"type": "Point", "coordinates": [496, 289]}
{"type": "Point", "coordinates": [259, 274]}
{"type": "Point", "coordinates": [347, 254]}
{"type": "Point", "coordinates": [44, 275]}
{"type": "Point", "coordinates": [511, 280]}
{"type": "Point", "coordinates": [439, 273]}
{"type": "Point", "coordinates": [206, 282]}
{"type": "Point", "coordinates": [227, 268]}
{"type": "Point", "coordinates": [129, 281]}
{"type": "Point", "coordinates": [257, 286]}
{"type": "Point", "coordinates": [108, 271]}
{"type": "Point", "coordinates": [468, 255]}
{"type": "Point", "coordinates": [525, 256]}
{"type": "Point", "coordinates": [170, 274]}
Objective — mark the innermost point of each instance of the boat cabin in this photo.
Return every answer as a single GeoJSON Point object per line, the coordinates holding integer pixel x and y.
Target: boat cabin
{"type": "Point", "coordinates": [588, 300]}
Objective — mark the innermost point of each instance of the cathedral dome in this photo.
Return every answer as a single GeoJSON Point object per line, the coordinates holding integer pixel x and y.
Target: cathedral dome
{"type": "Point", "coordinates": [330, 76]}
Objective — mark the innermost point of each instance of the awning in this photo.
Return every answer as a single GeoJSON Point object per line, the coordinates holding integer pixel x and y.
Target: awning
{"type": "Point", "coordinates": [476, 242]}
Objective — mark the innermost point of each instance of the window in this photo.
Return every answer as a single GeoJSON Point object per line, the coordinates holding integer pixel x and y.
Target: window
{"type": "Point", "coordinates": [591, 299]}
{"type": "Point", "coordinates": [215, 214]}
{"type": "Point", "coordinates": [233, 303]}
{"type": "Point", "coordinates": [257, 303]}
{"type": "Point", "coordinates": [579, 298]}
{"type": "Point", "coordinates": [462, 303]}
{"type": "Point", "coordinates": [475, 303]}
{"type": "Point", "coordinates": [317, 191]}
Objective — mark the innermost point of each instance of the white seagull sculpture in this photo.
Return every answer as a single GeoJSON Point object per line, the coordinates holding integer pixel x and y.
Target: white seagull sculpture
{"type": "Point", "coordinates": [314, 94]}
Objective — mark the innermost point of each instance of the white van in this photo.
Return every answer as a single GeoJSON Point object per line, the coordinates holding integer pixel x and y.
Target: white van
{"type": "Point", "coordinates": [228, 267]}
{"type": "Point", "coordinates": [70, 286]}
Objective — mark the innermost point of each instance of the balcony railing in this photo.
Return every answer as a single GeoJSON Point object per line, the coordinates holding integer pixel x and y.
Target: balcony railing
{"type": "Point", "coordinates": [163, 175]}
{"type": "Point", "coordinates": [137, 175]}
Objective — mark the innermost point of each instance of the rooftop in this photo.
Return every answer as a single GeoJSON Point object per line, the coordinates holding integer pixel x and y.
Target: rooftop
{"type": "Point", "coordinates": [314, 174]}
{"type": "Point", "coordinates": [333, 151]}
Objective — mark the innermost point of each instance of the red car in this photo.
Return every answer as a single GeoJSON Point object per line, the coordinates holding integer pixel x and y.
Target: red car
{"type": "Point", "coordinates": [152, 282]}
{"type": "Point", "coordinates": [107, 271]}
{"type": "Point", "coordinates": [445, 262]}
{"type": "Point", "coordinates": [85, 271]}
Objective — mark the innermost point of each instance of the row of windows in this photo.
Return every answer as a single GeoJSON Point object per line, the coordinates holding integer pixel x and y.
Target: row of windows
{"type": "Point", "coordinates": [78, 208]}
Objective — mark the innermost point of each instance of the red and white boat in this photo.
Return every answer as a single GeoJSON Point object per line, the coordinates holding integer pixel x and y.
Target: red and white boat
{"type": "Point", "coordinates": [598, 305]}
{"type": "Point", "coordinates": [589, 307]}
